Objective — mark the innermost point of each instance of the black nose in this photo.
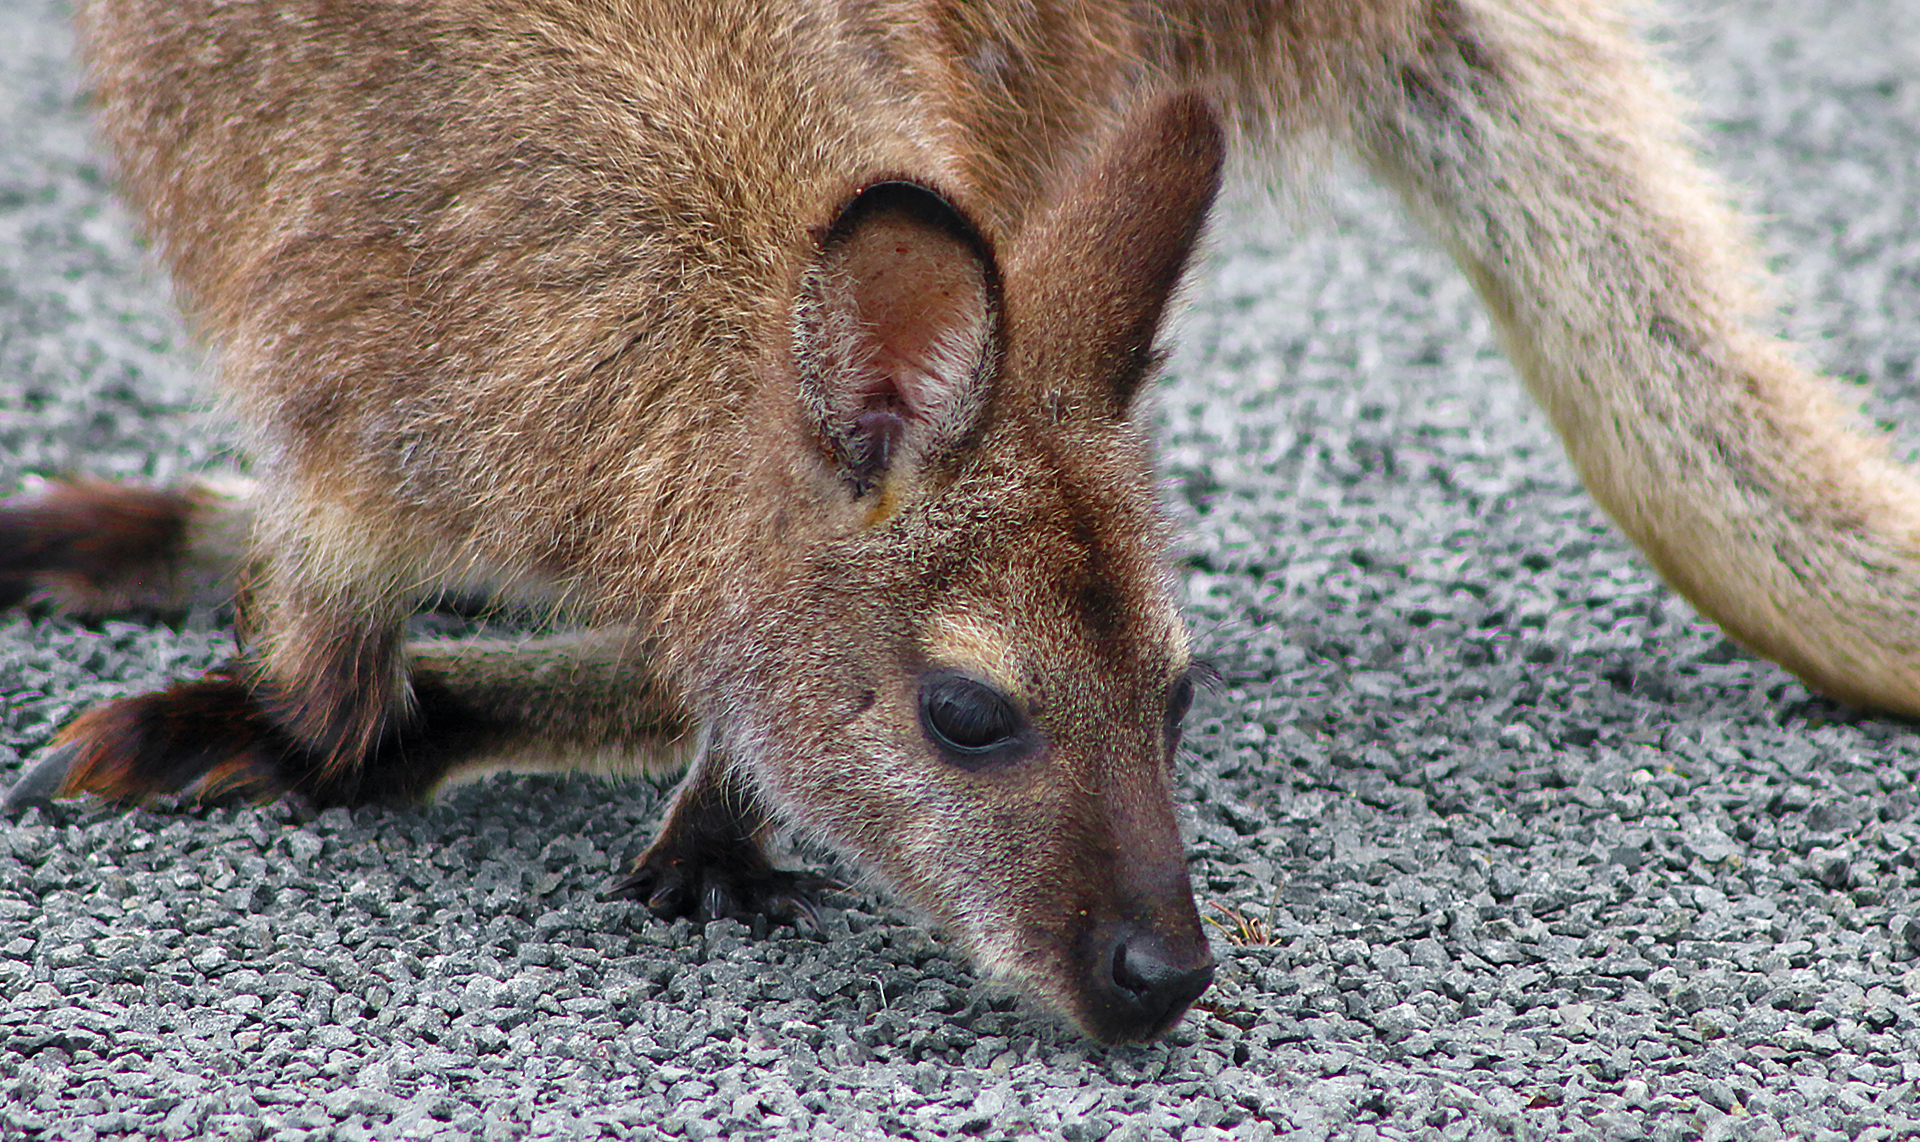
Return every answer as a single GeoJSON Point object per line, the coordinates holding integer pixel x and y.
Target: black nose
{"type": "Point", "coordinates": [1147, 984]}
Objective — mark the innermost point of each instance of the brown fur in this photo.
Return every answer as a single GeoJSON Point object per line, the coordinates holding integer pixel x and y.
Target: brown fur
{"type": "Point", "coordinates": [800, 343]}
{"type": "Point", "coordinates": [96, 548]}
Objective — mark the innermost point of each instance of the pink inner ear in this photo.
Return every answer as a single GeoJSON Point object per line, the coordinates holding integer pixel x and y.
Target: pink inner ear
{"type": "Point", "coordinates": [895, 332]}
{"type": "Point", "coordinates": [920, 298]}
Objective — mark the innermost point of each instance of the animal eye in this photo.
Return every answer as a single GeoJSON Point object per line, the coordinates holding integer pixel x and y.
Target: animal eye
{"type": "Point", "coordinates": [967, 718]}
{"type": "Point", "coordinates": [1180, 702]}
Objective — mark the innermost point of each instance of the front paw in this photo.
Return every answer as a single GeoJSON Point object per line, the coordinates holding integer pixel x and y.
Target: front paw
{"type": "Point", "coordinates": [673, 884]}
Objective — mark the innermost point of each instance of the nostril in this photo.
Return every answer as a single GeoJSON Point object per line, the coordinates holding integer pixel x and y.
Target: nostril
{"type": "Point", "coordinates": [1146, 973]}
{"type": "Point", "coordinates": [1128, 979]}
{"type": "Point", "coordinates": [1123, 976]}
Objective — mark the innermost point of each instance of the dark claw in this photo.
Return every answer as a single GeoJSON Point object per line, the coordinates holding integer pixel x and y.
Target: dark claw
{"type": "Point", "coordinates": [40, 782]}
{"type": "Point", "coordinates": [662, 890]}
{"type": "Point", "coordinates": [671, 889]}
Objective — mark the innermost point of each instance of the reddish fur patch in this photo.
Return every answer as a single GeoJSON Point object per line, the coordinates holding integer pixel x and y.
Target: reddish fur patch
{"type": "Point", "coordinates": [94, 532]}
{"type": "Point", "coordinates": [204, 738]}
{"type": "Point", "coordinates": [213, 738]}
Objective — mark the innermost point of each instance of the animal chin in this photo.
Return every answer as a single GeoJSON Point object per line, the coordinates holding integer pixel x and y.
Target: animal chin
{"type": "Point", "coordinates": [1080, 987]}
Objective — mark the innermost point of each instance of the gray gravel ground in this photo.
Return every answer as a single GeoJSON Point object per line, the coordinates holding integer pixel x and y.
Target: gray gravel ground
{"type": "Point", "coordinates": [1523, 847]}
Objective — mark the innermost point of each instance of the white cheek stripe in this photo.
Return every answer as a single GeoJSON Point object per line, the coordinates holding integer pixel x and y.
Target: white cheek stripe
{"type": "Point", "coordinates": [962, 640]}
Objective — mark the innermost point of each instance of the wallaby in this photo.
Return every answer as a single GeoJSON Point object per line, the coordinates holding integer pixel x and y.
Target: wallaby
{"type": "Point", "coordinates": [798, 348]}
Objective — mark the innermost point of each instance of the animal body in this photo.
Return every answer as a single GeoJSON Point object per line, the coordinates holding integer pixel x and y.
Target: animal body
{"type": "Point", "coordinates": [797, 349]}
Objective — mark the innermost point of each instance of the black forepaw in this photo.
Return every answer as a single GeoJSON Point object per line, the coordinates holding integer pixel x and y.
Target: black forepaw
{"type": "Point", "coordinates": [673, 885]}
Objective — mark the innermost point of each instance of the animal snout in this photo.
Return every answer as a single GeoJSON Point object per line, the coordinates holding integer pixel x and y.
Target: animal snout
{"type": "Point", "coordinates": [1145, 982]}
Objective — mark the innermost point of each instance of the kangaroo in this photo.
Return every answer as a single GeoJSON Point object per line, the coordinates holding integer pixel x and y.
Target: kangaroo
{"type": "Point", "coordinates": [798, 349]}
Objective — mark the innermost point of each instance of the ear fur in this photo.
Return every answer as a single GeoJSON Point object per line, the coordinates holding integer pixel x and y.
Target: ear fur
{"type": "Point", "coordinates": [896, 333]}
{"type": "Point", "coordinates": [1091, 276]}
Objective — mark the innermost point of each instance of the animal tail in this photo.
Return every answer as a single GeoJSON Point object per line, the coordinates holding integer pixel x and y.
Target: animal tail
{"type": "Point", "coordinates": [1537, 143]}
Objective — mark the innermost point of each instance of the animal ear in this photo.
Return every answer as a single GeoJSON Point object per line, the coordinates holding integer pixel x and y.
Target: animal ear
{"type": "Point", "coordinates": [1092, 274]}
{"type": "Point", "coordinates": [896, 333]}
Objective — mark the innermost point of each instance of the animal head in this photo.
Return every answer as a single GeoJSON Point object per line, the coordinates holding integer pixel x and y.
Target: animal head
{"type": "Point", "coordinates": [974, 682]}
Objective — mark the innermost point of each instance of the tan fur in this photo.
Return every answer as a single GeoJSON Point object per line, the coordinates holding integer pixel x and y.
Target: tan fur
{"type": "Point", "coordinates": [543, 292]}
{"type": "Point", "coordinates": [584, 702]}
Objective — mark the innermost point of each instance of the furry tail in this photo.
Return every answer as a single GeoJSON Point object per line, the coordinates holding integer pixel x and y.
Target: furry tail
{"type": "Point", "coordinates": [1538, 144]}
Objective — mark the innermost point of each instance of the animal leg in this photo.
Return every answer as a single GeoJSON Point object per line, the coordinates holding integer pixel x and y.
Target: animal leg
{"type": "Point", "coordinates": [93, 548]}
{"type": "Point", "coordinates": [584, 701]}
{"type": "Point", "coordinates": [709, 860]}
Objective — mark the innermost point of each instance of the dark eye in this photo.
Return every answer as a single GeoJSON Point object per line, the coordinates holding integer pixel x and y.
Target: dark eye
{"type": "Point", "coordinates": [1179, 701]}
{"type": "Point", "coordinates": [970, 720]}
